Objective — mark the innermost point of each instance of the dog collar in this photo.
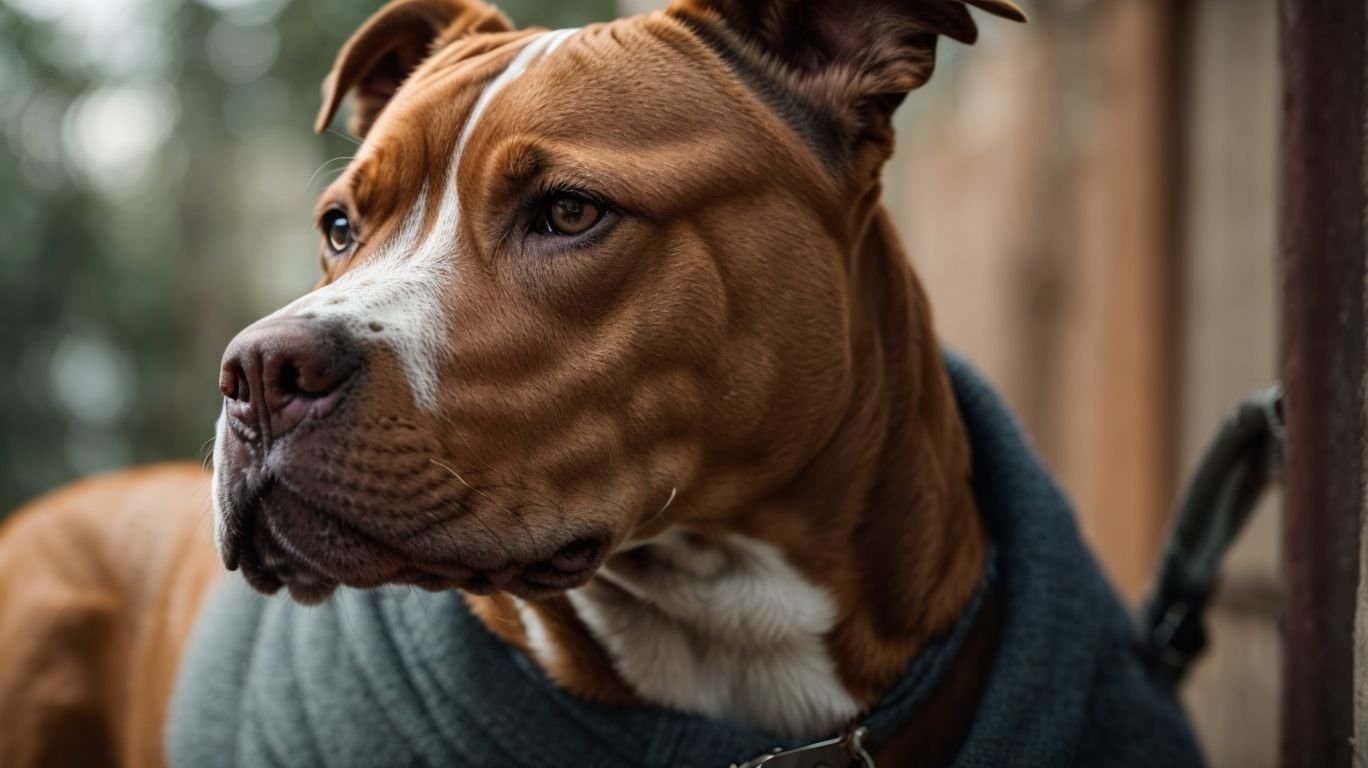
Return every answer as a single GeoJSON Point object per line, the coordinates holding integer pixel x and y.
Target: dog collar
{"type": "Point", "coordinates": [898, 707]}
{"type": "Point", "coordinates": [847, 749]}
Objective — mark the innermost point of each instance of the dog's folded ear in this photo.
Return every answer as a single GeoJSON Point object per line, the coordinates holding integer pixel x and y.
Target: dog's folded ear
{"type": "Point", "coordinates": [390, 45]}
{"type": "Point", "coordinates": [853, 60]}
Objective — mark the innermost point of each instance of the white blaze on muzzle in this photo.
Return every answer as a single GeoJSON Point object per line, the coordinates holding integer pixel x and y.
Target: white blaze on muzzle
{"type": "Point", "coordinates": [398, 296]}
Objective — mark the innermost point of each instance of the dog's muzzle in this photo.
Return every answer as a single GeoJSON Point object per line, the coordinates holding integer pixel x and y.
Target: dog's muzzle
{"type": "Point", "coordinates": [282, 380]}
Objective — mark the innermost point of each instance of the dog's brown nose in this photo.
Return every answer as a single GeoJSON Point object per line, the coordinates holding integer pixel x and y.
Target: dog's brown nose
{"type": "Point", "coordinates": [277, 374]}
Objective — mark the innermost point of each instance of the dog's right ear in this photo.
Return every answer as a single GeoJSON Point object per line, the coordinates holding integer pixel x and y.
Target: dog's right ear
{"type": "Point", "coordinates": [390, 45]}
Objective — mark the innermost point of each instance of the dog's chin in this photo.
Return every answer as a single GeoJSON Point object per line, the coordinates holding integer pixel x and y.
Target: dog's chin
{"type": "Point", "coordinates": [268, 562]}
{"type": "Point", "coordinates": [307, 590]}
{"type": "Point", "coordinates": [282, 540]}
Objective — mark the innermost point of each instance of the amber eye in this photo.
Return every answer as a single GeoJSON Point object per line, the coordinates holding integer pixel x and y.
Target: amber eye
{"type": "Point", "coordinates": [337, 229]}
{"type": "Point", "coordinates": [568, 214]}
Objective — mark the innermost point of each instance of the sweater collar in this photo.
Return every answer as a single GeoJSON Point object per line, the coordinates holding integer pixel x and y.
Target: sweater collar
{"type": "Point", "coordinates": [505, 688]}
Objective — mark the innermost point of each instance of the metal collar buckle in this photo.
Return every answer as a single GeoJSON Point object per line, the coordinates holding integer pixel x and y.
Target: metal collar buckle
{"type": "Point", "coordinates": [845, 751]}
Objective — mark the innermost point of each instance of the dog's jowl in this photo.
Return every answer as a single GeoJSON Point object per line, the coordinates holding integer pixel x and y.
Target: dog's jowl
{"type": "Point", "coordinates": [617, 359]}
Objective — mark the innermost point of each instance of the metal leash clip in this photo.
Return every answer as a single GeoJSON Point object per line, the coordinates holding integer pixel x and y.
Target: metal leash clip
{"type": "Point", "coordinates": [1241, 461]}
{"type": "Point", "coordinates": [846, 751]}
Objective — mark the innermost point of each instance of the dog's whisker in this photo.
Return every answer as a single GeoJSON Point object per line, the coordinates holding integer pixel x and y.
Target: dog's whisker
{"type": "Point", "coordinates": [532, 538]}
{"type": "Point", "coordinates": [674, 491]}
{"type": "Point", "coordinates": [471, 508]}
{"type": "Point", "coordinates": [206, 510]}
{"type": "Point", "coordinates": [516, 514]}
{"type": "Point", "coordinates": [207, 452]}
{"type": "Point", "coordinates": [325, 164]}
{"type": "Point", "coordinates": [351, 139]}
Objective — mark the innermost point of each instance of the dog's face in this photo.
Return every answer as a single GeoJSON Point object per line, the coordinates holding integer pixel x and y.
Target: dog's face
{"type": "Point", "coordinates": [578, 286]}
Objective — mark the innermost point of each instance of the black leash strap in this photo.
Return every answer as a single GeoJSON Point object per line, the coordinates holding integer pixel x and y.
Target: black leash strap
{"type": "Point", "coordinates": [1232, 475]}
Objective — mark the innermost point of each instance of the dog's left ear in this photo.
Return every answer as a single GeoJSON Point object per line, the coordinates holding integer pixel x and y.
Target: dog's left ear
{"type": "Point", "coordinates": [390, 45]}
{"type": "Point", "coordinates": [853, 59]}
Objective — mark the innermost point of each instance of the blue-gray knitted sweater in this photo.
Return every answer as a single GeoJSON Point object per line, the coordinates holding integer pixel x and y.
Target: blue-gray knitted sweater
{"type": "Point", "coordinates": [409, 678]}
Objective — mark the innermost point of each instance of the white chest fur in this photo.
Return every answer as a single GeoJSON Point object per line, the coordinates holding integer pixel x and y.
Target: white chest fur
{"type": "Point", "coordinates": [728, 630]}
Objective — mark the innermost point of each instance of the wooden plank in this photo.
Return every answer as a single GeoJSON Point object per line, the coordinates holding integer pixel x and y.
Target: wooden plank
{"type": "Point", "coordinates": [1117, 414]}
{"type": "Point", "coordinates": [1228, 344]}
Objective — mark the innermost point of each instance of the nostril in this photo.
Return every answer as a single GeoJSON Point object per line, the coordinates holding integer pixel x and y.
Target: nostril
{"type": "Point", "coordinates": [228, 382]}
{"type": "Point", "coordinates": [309, 377]}
{"type": "Point", "coordinates": [318, 381]}
{"type": "Point", "coordinates": [233, 383]}
{"type": "Point", "coordinates": [288, 379]}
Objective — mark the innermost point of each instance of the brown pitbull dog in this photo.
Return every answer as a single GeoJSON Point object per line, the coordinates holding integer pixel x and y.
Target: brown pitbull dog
{"type": "Point", "coordinates": [614, 336]}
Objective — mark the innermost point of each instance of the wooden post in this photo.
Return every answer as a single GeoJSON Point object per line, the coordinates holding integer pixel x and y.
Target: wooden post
{"type": "Point", "coordinates": [1322, 219]}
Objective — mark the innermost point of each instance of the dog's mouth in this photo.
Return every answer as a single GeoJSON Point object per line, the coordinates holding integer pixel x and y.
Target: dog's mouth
{"type": "Point", "coordinates": [281, 538]}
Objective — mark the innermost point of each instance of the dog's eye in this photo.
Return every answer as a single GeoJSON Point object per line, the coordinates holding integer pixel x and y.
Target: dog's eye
{"type": "Point", "coordinates": [337, 229]}
{"type": "Point", "coordinates": [570, 214]}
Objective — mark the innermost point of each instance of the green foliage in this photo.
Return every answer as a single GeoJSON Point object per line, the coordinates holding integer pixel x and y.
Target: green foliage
{"type": "Point", "coordinates": [157, 175]}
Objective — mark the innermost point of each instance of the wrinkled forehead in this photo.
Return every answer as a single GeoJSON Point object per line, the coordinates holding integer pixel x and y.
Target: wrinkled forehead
{"type": "Point", "coordinates": [417, 139]}
{"type": "Point", "coordinates": [643, 87]}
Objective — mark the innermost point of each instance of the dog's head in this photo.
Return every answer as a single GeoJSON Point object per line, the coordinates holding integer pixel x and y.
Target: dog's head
{"type": "Point", "coordinates": [578, 285]}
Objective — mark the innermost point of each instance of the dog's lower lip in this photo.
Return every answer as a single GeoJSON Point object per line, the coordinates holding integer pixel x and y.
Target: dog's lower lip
{"type": "Point", "coordinates": [531, 589]}
{"type": "Point", "coordinates": [310, 574]}
{"type": "Point", "coordinates": [547, 576]}
{"type": "Point", "coordinates": [311, 591]}
{"type": "Point", "coordinates": [262, 581]}
{"type": "Point", "coordinates": [424, 580]}
{"type": "Point", "coordinates": [479, 585]}
{"type": "Point", "coordinates": [577, 556]}
{"type": "Point", "coordinates": [232, 554]}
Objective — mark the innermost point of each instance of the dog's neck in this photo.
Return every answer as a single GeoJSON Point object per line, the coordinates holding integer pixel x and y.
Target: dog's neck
{"type": "Point", "coordinates": [798, 615]}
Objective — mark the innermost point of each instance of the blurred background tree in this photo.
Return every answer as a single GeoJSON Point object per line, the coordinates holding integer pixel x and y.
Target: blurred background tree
{"type": "Point", "coordinates": [157, 178]}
